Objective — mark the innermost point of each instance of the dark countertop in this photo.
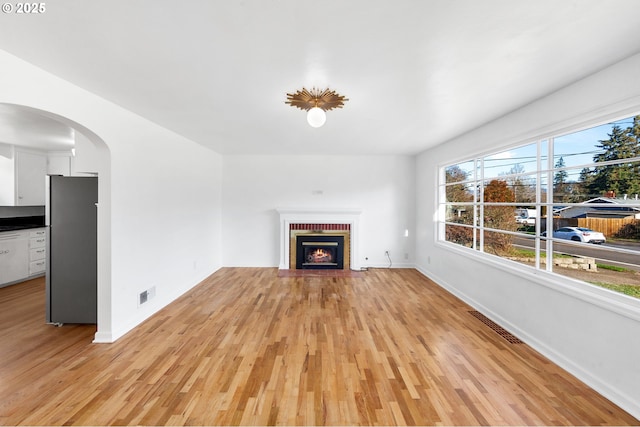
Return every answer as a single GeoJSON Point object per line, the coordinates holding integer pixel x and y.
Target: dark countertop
{"type": "Point", "coordinates": [21, 223]}
{"type": "Point", "coordinates": [18, 227]}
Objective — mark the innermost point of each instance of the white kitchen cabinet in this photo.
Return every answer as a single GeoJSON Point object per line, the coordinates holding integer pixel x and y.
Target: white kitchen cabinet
{"type": "Point", "coordinates": [37, 251]}
{"type": "Point", "coordinates": [37, 254]}
{"type": "Point", "coordinates": [37, 267]}
{"type": "Point", "coordinates": [23, 177]}
{"type": "Point", "coordinates": [37, 238]}
{"type": "Point", "coordinates": [14, 256]}
{"type": "Point", "coordinates": [31, 169]}
{"type": "Point", "coordinates": [7, 175]}
{"type": "Point", "coordinates": [22, 255]}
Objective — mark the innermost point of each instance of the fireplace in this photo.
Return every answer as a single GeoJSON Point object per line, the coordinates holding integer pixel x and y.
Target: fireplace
{"type": "Point", "coordinates": [319, 252]}
{"type": "Point", "coordinates": [322, 222]}
{"type": "Point", "coordinates": [319, 246]}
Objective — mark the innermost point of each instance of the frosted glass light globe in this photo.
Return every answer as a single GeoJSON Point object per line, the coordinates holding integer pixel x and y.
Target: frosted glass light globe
{"type": "Point", "coordinates": [316, 117]}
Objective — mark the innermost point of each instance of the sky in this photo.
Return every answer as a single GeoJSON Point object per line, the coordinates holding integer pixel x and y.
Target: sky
{"type": "Point", "coordinates": [576, 149]}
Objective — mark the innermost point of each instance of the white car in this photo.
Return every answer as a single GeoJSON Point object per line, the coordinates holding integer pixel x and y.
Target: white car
{"type": "Point", "coordinates": [525, 220]}
{"type": "Point", "coordinates": [579, 234]}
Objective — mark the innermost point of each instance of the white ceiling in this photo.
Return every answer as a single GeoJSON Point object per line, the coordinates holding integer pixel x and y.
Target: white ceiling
{"type": "Point", "coordinates": [24, 127]}
{"type": "Point", "coordinates": [416, 72]}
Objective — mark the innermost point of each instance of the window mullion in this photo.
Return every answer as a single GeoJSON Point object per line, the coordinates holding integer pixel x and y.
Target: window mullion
{"type": "Point", "coordinates": [480, 203]}
{"type": "Point", "coordinates": [549, 205]}
{"type": "Point", "coordinates": [538, 210]}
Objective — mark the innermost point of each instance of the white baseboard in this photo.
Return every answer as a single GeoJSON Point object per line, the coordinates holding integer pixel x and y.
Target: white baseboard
{"type": "Point", "coordinates": [393, 265]}
{"type": "Point", "coordinates": [103, 338]}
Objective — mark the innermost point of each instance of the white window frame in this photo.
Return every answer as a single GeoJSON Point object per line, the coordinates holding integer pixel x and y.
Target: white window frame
{"type": "Point", "coordinates": [605, 297]}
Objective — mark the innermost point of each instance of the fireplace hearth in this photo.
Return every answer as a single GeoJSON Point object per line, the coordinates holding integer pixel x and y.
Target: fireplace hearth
{"type": "Point", "coordinates": [315, 252]}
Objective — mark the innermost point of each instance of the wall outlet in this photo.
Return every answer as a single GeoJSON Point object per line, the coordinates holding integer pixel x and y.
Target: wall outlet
{"type": "Point", "coordinates": [386, 253]}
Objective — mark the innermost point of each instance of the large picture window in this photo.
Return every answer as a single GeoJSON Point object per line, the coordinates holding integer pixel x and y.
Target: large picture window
{"type": "Point", "coordinates": [568, 204]}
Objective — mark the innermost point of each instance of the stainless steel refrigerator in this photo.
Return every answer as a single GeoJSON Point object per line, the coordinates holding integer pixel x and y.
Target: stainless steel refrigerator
{"type": "Point", "coordinates": [72, 265]}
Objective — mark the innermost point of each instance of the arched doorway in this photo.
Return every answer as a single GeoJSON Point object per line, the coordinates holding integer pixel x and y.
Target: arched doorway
{"type": "Point", "coordinates": [92, 156]}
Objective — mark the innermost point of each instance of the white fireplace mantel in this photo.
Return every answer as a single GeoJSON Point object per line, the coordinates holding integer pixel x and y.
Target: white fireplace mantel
{"type": "Point", "coordinates": [290, 216]}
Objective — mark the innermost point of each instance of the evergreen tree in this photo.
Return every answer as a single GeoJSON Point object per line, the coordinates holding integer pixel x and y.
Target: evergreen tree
{"type": "Point", "coordinates": [635, 137]}
{"type": "Point", "coordinates": [560, 184]}
{"type": "Point", "coordinates": [620, 177]}
{"type": "Point", "coordinates": [583, 187]}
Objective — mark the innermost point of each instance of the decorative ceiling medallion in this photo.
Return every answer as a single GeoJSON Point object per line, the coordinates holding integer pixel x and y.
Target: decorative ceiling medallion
{"type": "Point", "coordinates": [307, 99]}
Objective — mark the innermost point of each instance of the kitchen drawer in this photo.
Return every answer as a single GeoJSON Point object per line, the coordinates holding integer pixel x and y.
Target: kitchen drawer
{"type": "Point", "coordinates": [38, 242]}
{"type": "Point", "coordinates": [37, 254]}
{"type": "Point", "coordinates": [40, 232]}
{"type": "Point", "coordinates": [37, 267]}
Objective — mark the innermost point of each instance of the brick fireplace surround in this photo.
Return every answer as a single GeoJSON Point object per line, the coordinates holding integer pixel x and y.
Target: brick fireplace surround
{"type": "Point", "coordinates": [340, 221]}
{"type": "Point", "coordinates": [300, 232]}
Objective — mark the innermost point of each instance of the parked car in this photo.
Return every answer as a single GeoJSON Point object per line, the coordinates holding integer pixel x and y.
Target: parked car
{"type": "Point", "coordinates": [526, 216]}
{"type": "Point", "coordinates": [526, 221]}
{"type": "Point", "coordinates": [578, 234]}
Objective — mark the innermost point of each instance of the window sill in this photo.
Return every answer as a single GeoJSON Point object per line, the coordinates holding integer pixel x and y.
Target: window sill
{"type": "Point", "coordinates": [610, 300]}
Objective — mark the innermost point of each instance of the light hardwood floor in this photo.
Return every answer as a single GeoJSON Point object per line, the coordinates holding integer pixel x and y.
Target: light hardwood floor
{"type": "Point", "coordinates": [249, 347]}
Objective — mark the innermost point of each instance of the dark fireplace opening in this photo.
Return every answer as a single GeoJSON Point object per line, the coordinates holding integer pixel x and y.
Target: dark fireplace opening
{"type": "Point", "coordinates": [320, 252]}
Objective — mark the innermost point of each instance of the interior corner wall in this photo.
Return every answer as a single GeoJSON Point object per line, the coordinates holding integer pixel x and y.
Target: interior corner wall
{"type": "Point", "coordinates": [561, 320]}
{"type": "Point", "coordinates": [164, 208]}
{"type": "Point", "coordinates": [383, 187]}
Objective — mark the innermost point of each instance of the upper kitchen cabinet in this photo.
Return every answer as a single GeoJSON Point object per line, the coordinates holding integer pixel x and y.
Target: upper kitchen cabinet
{"type": "Point", "coordinates": [31, 170]}
{"type": "Point", "coordinates": [22, 177]}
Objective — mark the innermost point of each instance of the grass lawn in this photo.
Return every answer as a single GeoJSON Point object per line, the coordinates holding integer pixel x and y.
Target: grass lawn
{"type": "Point", "coordinates": [612, 267]}
{"type": "Point", "coordinates": [605, 269]}
{"type": "Point", "coordinates": [631, 290]}
{"type": "Point", "coordinates": [528, 253]}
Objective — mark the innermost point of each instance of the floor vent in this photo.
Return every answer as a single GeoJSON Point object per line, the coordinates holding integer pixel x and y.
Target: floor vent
{"type": "Point", "coordinates": [497, 328]}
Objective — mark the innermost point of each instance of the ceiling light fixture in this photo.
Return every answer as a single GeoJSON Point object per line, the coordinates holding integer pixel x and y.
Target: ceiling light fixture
{"type": "Point", "coordinates": [316, 102]}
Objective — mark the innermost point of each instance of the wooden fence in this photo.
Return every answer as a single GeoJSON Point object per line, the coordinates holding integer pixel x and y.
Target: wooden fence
{"type": "Point", "coordinates": [607, 226]}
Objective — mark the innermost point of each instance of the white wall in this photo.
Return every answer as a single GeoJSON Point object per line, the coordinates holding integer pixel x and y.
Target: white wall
{"type": "Point", "coordinates": [166, 221]}
{"type": "Point", "coordinates": [159, 214]}
{"type": "Point", "coordinates": [591, 332]}
{"type": "Point", "coordinates": [255, 186]}
{"type": "Point", "coordinates": [58, 163]}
